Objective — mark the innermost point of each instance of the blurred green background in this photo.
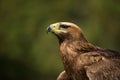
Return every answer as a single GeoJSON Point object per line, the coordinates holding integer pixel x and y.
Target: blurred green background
{"type": "Point", "coordinates": [28, 53]}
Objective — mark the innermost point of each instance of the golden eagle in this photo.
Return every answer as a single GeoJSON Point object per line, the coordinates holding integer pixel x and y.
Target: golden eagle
{"type": "Point", "coordinates": [81, 59]}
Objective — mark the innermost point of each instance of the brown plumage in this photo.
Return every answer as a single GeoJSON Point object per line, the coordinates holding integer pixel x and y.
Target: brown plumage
{"type": "Point", "coordinates": [81, 59]}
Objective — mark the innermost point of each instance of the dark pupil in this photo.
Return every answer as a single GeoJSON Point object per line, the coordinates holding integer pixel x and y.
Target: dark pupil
{"type": "Point", "coordinates": [64, 26]}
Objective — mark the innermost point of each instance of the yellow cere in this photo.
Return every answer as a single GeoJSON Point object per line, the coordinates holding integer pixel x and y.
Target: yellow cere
{"type": "Point", "coordinates": [55, 28]}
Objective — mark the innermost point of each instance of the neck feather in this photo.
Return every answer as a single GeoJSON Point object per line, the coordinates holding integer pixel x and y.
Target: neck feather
{"type": "Point", "coordinates": [69, 49]}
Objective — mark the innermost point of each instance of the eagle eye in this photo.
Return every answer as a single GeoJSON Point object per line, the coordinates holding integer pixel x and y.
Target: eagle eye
{"type": "Point", "coordinates": [64, 26]}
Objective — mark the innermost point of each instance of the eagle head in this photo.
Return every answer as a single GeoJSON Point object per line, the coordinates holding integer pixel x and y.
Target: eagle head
{"type": "Point", "coordinates": [65, 30]}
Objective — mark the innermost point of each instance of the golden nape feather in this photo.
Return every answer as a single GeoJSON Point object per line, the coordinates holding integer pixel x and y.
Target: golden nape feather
{"type": "Point", "coordinates": [81, 59]}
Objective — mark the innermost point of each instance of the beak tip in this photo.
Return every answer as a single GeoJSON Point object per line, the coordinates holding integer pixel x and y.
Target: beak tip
{"type": "Point", "coordinates": [49, 29]}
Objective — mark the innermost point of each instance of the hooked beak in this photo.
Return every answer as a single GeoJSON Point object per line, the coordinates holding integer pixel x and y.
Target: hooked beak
{"type": "Point", "coordinates": [54, 28]}
{"type": "Point", "coordinates": [49, 29]}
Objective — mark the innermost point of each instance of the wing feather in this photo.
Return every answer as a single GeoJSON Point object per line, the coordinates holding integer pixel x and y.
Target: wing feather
{"type": "Point", "coordinates": [108, 69]}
